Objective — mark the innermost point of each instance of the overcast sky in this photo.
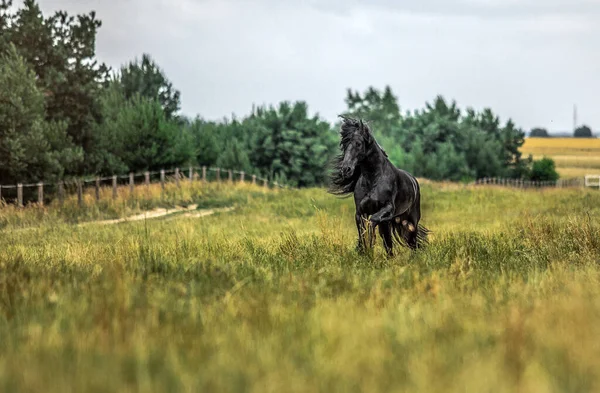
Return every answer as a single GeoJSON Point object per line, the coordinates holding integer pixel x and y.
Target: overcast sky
{"type": "Point", "coordinates": [529, 60]}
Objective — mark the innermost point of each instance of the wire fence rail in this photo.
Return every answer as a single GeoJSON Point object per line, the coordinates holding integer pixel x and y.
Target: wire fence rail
{"type": "Point", "coordinates": [578, 182]}
{"type": "Point", "coordinates": [47, 191]}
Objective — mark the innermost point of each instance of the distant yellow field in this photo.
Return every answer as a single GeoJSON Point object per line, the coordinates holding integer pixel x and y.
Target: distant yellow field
{"type": "Point", "coordinates": [574, 157]}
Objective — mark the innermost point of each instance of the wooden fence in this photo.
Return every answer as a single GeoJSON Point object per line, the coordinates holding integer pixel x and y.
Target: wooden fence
{"type": "Point", "coordinates": [592, 181]}
{"type": "Point", "coordinates": [42, 192]}
{"type": "Point", "coordinates": [520, 183]}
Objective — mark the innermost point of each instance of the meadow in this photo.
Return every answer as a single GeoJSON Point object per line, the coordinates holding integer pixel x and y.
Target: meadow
{"type": "Point", "coordinates": [574, 157]}
{"type": "Point", "coordinates": [272, 297]}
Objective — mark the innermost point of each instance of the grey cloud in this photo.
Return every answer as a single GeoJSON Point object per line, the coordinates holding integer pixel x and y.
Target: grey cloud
{"type": "Point", "coordinates": [505, 9]}
{"type": "Point", "coordinates": [528, 60]}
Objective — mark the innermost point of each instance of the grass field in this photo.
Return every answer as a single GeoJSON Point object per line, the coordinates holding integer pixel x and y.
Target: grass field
{"type": "Point", "coordinates": [574, 157]}
{"type": "Point", "coordinates": [271, 297]}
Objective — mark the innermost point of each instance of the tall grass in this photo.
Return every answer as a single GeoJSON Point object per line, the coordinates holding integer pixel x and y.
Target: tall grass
{"type": "Point", "coordinates": [144, 198]}
{"type": "Point", "coordinates": [272, 297]}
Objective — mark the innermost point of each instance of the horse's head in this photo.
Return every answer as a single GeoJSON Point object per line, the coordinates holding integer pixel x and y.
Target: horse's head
{"type": "Point", "coordinates": [355, 144]}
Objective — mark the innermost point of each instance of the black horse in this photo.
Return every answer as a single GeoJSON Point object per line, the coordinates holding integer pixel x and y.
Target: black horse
{"type": "Point", "coordinates": [385, 196]}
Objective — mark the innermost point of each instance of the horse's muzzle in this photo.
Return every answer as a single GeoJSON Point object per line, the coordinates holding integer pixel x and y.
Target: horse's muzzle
{"type": "Point", "coordinates": [347, 171]}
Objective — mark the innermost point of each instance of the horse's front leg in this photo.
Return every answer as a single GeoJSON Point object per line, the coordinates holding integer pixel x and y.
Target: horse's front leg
{"type": "Point", "coordinates": [360, 227]}
{"type": "Point", "coordinates": [384, 214]}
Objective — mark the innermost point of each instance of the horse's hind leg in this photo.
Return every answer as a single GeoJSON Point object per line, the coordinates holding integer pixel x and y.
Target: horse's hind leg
{"type": "Point", "coordinates": [385, 231]}
{"type": "Point", "coordinates": [409, 229]}
{"type": "Point", "coordinates": [415, 237]}
{"type": "Point", "coordinates": [412, 240]}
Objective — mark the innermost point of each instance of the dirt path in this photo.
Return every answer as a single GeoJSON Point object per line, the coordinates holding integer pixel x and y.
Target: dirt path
{"type": "Point", "coordinates": [190, 211]}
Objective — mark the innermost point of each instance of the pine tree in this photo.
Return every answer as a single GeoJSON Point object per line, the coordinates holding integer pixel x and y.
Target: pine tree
{"type": "Point", "coordinates": [60, 49]}
{"type": "Point", "coordinates": [147, 79]}
{"type": "Point", "coordinates": [31, 148]}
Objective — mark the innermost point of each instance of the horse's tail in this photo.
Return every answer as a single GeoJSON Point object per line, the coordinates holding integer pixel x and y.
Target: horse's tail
{"type": "Point", "coordinates": [403, 235]}
{"type": "Point", "coordinates": [422, 235]}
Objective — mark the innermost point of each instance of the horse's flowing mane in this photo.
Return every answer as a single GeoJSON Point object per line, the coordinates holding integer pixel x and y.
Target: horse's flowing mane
{"type": "Point", "coordinates": [338, 184]}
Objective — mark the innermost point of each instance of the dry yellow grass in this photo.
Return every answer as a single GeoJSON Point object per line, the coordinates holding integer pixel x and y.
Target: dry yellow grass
{"type": "Point", "coordinates": [272, 297]}
{"type": "Point", "coordinates": [571, 172]}
{"type": "Point", "coordinates": [574, 157]}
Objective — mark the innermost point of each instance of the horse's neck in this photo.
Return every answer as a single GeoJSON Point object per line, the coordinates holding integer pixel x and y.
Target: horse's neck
{"type": "Point", "coordinates": [372, 166]}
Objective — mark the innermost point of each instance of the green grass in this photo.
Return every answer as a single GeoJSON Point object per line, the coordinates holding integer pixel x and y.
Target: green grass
{"type": "Point", "coordinates": [271, 297]}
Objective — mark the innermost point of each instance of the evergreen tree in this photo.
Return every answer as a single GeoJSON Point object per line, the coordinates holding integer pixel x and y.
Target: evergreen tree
{"type": "Point", "coordinates": [285, 143]}
{"type": "Point", "coordinates": [380, 110]}
{"type": "Point", "coordinates": [60, 49]}
{"type": "Point", "coordinates": [147, 79]}
{"type": "Point", "coordinates": [206, 137]}
{"type": "Point", "coordinates": [31, 148]}
{"type": "Point", "coordinates": [234, 156]}
{"type": "Point", "coordinates": [439, 141]}
{"type": "Point", "coordinates": [150, 141]}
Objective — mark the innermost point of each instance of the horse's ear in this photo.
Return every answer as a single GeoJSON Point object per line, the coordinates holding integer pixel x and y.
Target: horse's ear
{"type": "Point", "coordinates": [345, 121]}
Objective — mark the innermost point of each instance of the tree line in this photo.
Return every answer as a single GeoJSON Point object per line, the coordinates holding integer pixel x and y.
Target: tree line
{"type": "Point", "coordinates": [64, 113]}
{"type": "Point", "coordinates": [583, 131]}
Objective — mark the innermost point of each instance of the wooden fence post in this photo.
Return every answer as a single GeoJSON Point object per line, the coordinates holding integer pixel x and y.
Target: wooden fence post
{"type": "Point", "coordinates": [191, 175]}
{"type": "Point", "coordinates": [177, 177]}
{"type": "Point", "coordinates": [254, 179]}
{"type": "Point", "coordinates": [162, 179]}
{"type": "Point", "coordinates": [41, 194]}
{"type": "Point", "coordinates": [147, 178]}
{"type": "Point", "coordinates": [97, 188]}
{"type": "Point", "coordinates": [242, 176]}
{"type": "Point", "coordinates": [114, 184]}
{"type": "Point", "coordinates": [230, 176]}
{"type": "Point", "coordinates": [219, 175]}
{"type": "Point", "coordinates": [131, 183]}
{"type": "Point", "coordinates": [79, 193]}
{"type": "Point", "coordinates": [265, 183]}
{"type": "Point", "coordinates": [203, 174]}
{"type": "Point", "coordinates": [20, 195]}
